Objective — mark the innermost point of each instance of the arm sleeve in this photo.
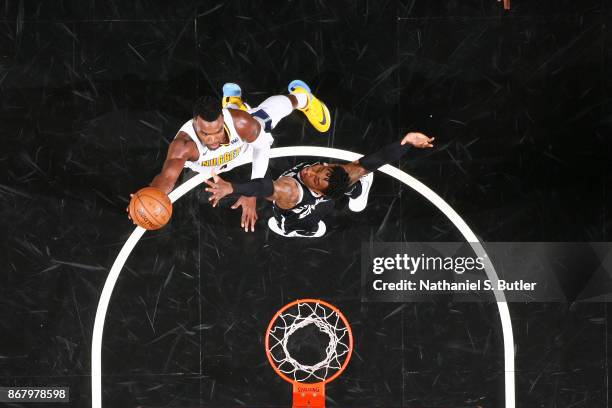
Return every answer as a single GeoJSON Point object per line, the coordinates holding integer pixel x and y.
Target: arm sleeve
{"type": "Point", "coordinates": [261, 155]}
{"type": "Point", "coordinates": [387, 154]}
{"type": "Point", "coordinates": [261, 187]}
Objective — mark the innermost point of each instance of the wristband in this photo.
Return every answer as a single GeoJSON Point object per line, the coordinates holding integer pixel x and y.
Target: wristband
{"type": "Point", "coordinates": [387, 154]}
{"type": "Point", "coordinates": [261, 187]}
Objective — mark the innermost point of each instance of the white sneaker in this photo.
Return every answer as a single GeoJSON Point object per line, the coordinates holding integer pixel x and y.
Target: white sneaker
{"type": "Point", "coordinates": [273, 225]}
{"type": "Point", "coordinates": [358, 204]}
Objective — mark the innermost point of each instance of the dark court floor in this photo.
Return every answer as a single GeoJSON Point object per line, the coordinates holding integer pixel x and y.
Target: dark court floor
{"type": "Point", "coordinates": [93, 91]}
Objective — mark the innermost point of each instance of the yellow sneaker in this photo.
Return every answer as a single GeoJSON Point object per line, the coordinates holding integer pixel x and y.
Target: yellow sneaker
{"type": "Point", "coordinates": [316, 112]}
{"type": "Point", "coordinates": [232, 97]}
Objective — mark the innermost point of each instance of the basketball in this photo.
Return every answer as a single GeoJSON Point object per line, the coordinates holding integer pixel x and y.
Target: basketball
{"type": "Point", "coordinates": [150, 208]}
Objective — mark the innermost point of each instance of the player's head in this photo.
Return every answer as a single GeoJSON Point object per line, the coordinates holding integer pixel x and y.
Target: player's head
{"type": "Point", "coordinates": [330, 180]}
{"type": "Point", "coordinates": [208, 122]}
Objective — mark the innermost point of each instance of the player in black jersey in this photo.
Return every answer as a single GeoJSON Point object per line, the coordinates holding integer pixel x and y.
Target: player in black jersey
{"type": "Point", "coordinates": [304, 195]}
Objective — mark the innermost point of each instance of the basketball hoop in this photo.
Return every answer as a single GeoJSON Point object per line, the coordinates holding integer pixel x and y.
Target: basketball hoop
{"type": "Point", "coordinates": [309, 378]}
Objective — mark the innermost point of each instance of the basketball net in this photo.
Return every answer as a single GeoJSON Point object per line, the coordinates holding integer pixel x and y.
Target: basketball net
{"type": "Point", "coordinates": [309, 380]}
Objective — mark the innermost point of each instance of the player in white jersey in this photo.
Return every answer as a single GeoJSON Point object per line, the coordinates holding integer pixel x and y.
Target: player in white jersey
{"type": "Point", "coordinates": [218, 139]}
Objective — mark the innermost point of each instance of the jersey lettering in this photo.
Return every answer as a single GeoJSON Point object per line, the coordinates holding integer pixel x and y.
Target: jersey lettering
{"type": "Point", "coordinates": [304, 210]}
{"type": "Point", "coordinates": [222, 158]}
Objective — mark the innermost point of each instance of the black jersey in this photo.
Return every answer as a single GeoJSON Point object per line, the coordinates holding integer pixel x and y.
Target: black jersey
{"type": "Point", "coordinates": [309, 210]}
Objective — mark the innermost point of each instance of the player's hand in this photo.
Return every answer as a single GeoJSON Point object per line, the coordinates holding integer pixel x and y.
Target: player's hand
{"type": "Point", "coordinates": [127, 210]}
{"type": "Point", "coordinates": [219, 189]}
{"type": "Point", "coordinates": [249, 213]}
{"type": "Point", "coordinates": [418, 140]}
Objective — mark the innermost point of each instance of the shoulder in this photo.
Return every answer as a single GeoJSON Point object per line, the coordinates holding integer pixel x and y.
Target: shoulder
{"type": "Point", "coordinates": [287, 192]}
{"type": "Point", "coordinates": [288, 183]}
{"type": "Point", "coordinates": [246, 126]}
{"type": "Point", "coordinates": [187, 127]}
{"type": "Point", "coordinates": [182, 147]}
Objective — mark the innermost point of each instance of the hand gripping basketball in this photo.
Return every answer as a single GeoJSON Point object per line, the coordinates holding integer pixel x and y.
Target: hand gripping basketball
{"type": "Point", "coordinates": [150, 208]}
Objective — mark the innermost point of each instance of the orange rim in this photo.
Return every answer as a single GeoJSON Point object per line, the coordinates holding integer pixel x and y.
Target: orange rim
{"type": "Point", "coordinates": [321, 302]}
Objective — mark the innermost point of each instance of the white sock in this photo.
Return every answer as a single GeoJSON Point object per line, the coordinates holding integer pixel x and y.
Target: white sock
{"type": "Point", "coordinates": [277, 107]}
{"type": "Point", "coordinates": [302, 100]}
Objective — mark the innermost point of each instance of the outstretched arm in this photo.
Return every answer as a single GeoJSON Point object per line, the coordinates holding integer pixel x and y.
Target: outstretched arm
{"type": "Point", "coordinates": [284, 191]}
{"type": "Point", "coordinates": [180, 150]}
{"type": "Point", "coordinates": [387, 154]}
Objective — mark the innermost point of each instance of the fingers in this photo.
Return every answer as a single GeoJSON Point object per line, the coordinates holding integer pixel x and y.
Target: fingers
{"type": "Point", "coordinates": [127, 209]}
{"type": "Point", "coordinates": [250, 219]}
{"type": "Point", "coordinates": [213, 187]}
{"type": "Point", "coordinates": [215, 177]}
{"type": "Point", "coordinates": [406, 138]}
{"type": "Point", "coordinates": [129, 215]}
{"type": "Point", "coordinates": [418, 140]}
{"type": "Point", "coordinates": [244, 221]}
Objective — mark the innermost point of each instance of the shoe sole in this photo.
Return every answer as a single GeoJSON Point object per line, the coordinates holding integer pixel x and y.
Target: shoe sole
{"type": "Point", "coordinates": [366, 193]}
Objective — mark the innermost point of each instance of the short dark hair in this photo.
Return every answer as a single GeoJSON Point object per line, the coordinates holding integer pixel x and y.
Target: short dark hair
{"type": "Point", "coordinates": [207, 107]}
{"type": "Point", "coordinates": [338, 183]}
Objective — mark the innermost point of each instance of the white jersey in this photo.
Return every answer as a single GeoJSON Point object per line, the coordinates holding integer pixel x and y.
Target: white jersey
{"type": "Point", "coordinates": [225, 156]}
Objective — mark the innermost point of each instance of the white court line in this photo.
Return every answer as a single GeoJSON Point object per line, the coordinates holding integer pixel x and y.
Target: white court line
{"type": "Point", "coordinates": [504, 312]}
